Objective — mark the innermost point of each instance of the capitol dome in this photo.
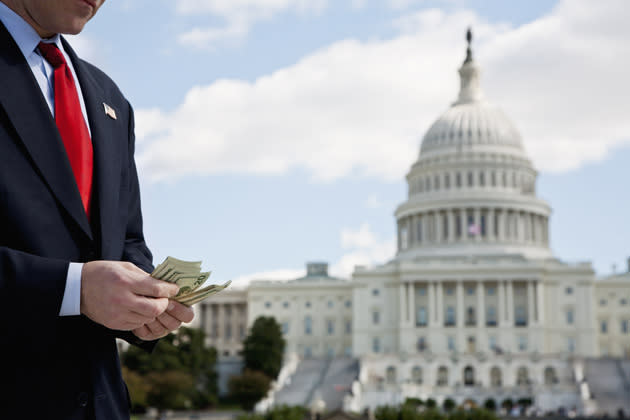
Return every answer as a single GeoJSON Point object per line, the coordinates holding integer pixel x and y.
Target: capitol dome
{"type": "Point", "coordinates": [473, 188]}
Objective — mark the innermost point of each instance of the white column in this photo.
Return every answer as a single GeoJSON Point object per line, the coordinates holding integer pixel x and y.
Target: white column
{"type": "Point", "coordinates": [464, 223]}
{"type": "Point", "coordinates": [501, 312]}
{"type": "Point", "coordinates": [411, 303]}
{"type": "Point", "coordinates": [530, 303]}
{"type": "Point", "coordinates": [481, 305]}
{"type": "Point", "coordinates": [431, 309]}
{"type": "Point", "coordinates": [402, 302]}
{"type": "Point", "coordinates": [451, 226]}
{"type": "Point", "coordinates": [440, 303]}
{"type": "Point", "coordinates": [477, 219]}
{"type": "Point", "coordinates": [459, 290]}
{"type": "Point", "coordinates": [437, 222]}
{"type": "Point", "coordinates": [490, 225]}
{"type": "Point", "coordinates": [510, 303]}
{"type": "Point", "coordinates": [540, 303]}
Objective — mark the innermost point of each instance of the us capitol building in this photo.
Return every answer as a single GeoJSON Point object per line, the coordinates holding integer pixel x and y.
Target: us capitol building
{"type": "Point", "coordinates": [473, 306]}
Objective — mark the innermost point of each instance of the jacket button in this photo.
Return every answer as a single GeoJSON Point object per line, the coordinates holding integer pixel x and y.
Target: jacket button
{"type": "Point", "coordinates": [82, 399]}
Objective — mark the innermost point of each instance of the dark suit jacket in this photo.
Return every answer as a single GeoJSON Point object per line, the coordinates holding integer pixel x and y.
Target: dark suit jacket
{"type": "Point", "coordinates": [60, 367]}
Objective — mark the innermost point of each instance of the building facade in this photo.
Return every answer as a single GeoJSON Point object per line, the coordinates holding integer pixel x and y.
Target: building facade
{"type": "Point", "coordinates": [474, 305]}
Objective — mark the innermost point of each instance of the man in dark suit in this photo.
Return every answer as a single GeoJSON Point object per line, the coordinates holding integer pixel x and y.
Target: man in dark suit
{"type": "Point", "coordinates": [73, 260]}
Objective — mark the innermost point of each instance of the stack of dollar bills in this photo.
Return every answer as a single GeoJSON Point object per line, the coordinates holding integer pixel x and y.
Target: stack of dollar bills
{"type": "Point", "coordinates": [188, 276]}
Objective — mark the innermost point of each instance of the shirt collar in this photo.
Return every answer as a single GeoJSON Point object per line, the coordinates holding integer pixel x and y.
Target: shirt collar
{"type": "Point", "coordinates": [24, 35]}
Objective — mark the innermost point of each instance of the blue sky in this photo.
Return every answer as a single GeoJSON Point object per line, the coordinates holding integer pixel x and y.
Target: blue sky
{"type": "Point", "coordinates": [275, 132]}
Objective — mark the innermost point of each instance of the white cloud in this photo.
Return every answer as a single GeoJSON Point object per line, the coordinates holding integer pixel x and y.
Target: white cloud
{"type": "Point", "coordinates": [360, 107]}
{"type": "Point", "coordinates": [373, 202]}
{"type": "Point", "coordinates": [364, 249]}
{"type": "Point", "coordinates": [238, 16]}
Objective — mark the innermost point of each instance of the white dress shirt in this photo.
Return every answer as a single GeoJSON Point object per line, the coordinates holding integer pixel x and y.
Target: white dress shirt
{"type": "Point", "coordinates": [27, 40]}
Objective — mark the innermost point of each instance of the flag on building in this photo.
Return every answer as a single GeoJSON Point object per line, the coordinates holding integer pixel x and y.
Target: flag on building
{"type": "Point", "coordinates": [474, 229]}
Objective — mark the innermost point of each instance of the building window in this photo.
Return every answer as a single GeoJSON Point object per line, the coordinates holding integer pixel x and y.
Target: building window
{"type": "Point", "coordinates": [228, 331]}
{"type": "Point", "coordinates": [416, 375]}
{"type": "Point", "coordinates": [603, 327]}
{"type": "Point", "coordinates": [308, 352]}
{"type": "Point", "coordinates": [623, 302]}
{"type": "Point", "coordinates": [570, 344]}
{"type": "Point", "coordinates": [624, 326]}
{"type": "Point", "coordinates": [308, 304]}
{"type": "Point", "coordinates": [520, 316]}
{"type": "Point", "coordinates": [442, 376]}
{"type": "Point", "coordinates": [348, 327]}
{"type": "Point", "coordinates": [490, 290]}
{"type": "Point", "coordinates": [458, 180]}
{"type": "Point", "coordinates": [470, 179]}
{"type": "Point", "coordinates": [419, 229]}
{"type": "Point", "coordinates": [421, 291]}
{"type": "Point", "coordinates": [450, 316]}
{"type": "Point", "coordinates": [422, 344]}
{"type": "Point", "coordinates": [241, 331]}
{"type": "Point", "coordinates": [348, 303]}
{"type": "Point", "coordinates": [550, 376]}
{"type": "Point", "coordinates": [470, 316]}
{"type": "Point", "coordinates": [495, 377]}
{"type": "Point", "coordinates": [570, 316]}
{"type": "Point", "coordinates": [472, 344]}
{"type": "Point", "coordinates": [285, 327]}
{"type": "Point", "coordinates": [491, 316]}
{"type": "Point", "coordinates": [492, 342]}
{"type": "Point", "coordinates": [450, 291]}
{"type": "Point", "coordinates": [450, 343]}
{"type": "Point", "coordinates": [376, 345]}
{"type": "Point", "coordinates": [568, 290]}
{"type": "Point", "coordinates": [268, 305]}
{"type": "Point", "coordinates": [421, 317]}
{"type": "Point", "coordinates": [285, 304]}
{"type": "Point", "coordinates": [330, 327]}
{"type": "Point", "coordinates": [436, 182]}
{"type": "Point", "coordinates": [375, 292]}
{"type": "Point", "coordinates": [602, 302]}
{"type": "Point", "coordinates": [470, 291]}
{"type": "Point", "coordinates": [308, 325]}
{"type": "Point", "coordinates": [330, 303]}
{"type": "Point", "coordinates": [469, 376]}
{"type": "Point", "coordinates": [390, 375]}
{"type": "Point", "coordinates": [447, 181]}
{"type": "Point", "coordinates": [522, 376]}
{"type": "Point", "coordinates": [493, 179]}
{"type": "Point", "coordinates": [376, 317]}
{"type": "Point", "coordinates": [522, 343]}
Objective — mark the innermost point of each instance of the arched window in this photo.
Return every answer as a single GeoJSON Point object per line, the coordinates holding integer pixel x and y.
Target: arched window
{"type": "Point", "coordinates": [495, 377]}
{"type": "Point", "coordinates": [469, 376]}
{"type": "Point", "coordinates": [390, 375]}
{"type": "Point", "coordinates": [470, 316]}
{"type": "Point", "coordinates": [522, 376]}
{"type": "Point", "coordinates": [442, 376]}
{"type": "Point", "coordinates": [550, 376]}
{"type": "Point", "coordinates": [416, 375]}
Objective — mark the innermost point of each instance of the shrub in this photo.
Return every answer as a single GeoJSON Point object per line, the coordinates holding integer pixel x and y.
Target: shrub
{"type": "Point", "coordinates": [449, 404]}
{"type": "Point", "coordinates": [490, 404]}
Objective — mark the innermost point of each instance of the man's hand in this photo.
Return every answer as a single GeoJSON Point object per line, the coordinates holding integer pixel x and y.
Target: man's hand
{"type": "Point", "coordinates": [121, 296]}
{"type": "Point", "coordinates": [168, 321]}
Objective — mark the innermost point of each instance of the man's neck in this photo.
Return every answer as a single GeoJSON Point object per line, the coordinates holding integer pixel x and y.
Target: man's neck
{"type": "Point", "coordinates": [20, 9]}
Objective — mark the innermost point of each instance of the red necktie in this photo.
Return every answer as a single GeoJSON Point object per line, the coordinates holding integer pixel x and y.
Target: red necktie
{"type": "Point", "coordinates": [70, 122]}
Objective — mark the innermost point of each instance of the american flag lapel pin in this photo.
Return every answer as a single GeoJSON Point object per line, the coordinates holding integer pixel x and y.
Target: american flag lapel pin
{"type": "Point", "coordinates": [109, 111]}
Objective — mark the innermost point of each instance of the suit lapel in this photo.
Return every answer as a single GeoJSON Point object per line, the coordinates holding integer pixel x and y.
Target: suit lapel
{"type": "Point", "coordinates": [106, 154]}
{"type": "Point", "coordinates": [24, 104]}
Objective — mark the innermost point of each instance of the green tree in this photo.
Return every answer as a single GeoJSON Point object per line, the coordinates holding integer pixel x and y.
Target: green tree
{"type": "Point", "coordinates": [449, 404]}
{"type": "Point", "coordinates": [181, 357]}
{"type": "Point", "coordinates": [249, 387]}
{"type": "Point", "coordinates": [264, 347]}
{"type": "Point", "coordinates": [431, 403]}
{"type": "Point", "coordinates": [490, 404]}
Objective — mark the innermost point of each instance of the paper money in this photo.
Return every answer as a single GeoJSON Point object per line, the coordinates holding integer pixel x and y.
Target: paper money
{"type": "Point", "coordinates": [188, 276]}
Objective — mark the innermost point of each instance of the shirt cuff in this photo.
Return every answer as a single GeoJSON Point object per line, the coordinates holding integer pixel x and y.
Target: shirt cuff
{"type": "Point", "coordinates": [71, 303]}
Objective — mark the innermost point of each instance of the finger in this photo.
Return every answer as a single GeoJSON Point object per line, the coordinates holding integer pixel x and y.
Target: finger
{"type": "Point", "coordinates": [180, 312]}
{"type": "Point", "coordinates": [147, 306]}
{"type": "Point", "coordinates": [142, 332]}
{"type": "Point", "coordinates": [168, 321]}
{"type": "Point", "coordinates": [157, 328]}
{"type": "Point", "coordinates": [148, 286]}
